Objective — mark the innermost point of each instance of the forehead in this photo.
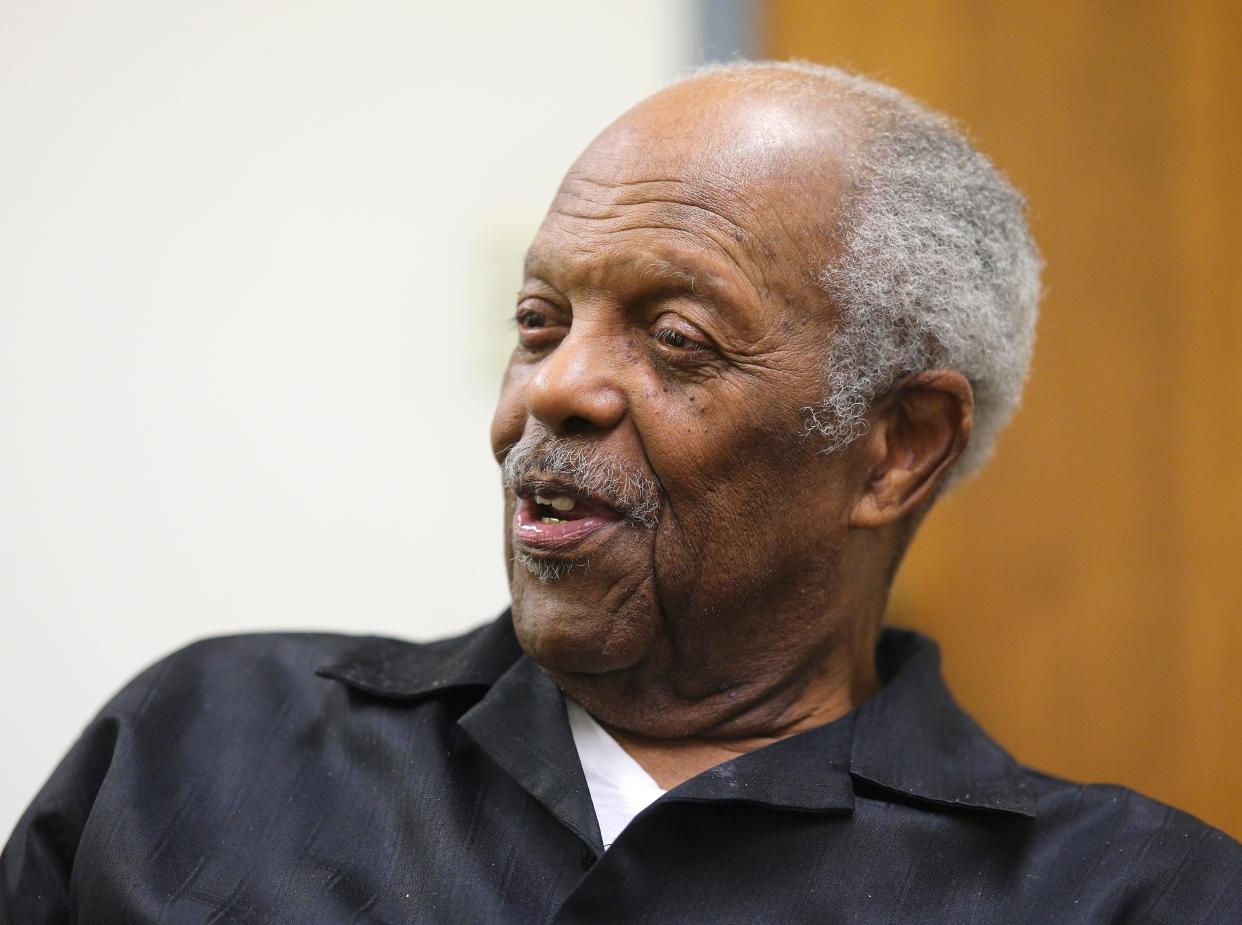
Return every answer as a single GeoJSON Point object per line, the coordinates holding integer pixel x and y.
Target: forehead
{"type": "Point", "coordinates": [601, 231]}
{"type": "Point", "coordinates": [737, 195]}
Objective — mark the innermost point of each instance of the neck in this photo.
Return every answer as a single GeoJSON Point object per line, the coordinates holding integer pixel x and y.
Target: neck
{"type": "Point", "coordinates": [840, 687]}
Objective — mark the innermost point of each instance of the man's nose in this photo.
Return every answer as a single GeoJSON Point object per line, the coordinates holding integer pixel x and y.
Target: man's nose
{"type": "Point", "coordinates": [576, 389]}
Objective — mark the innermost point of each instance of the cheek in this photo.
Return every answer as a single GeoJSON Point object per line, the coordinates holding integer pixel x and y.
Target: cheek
{"type": "Point", "coordinates": [751, 500]}
{"type": "Point", "coordinates": [702, 444]}
{"type": "Point", "coordinates": [509, 419]}
{"type": "Point", "coordinates": [725, 492]}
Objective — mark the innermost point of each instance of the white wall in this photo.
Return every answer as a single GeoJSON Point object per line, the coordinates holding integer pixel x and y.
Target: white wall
{"type": "Point", "coordinates": [256, 269]}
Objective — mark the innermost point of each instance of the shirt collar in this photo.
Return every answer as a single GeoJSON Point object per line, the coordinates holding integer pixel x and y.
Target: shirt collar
{"type": "Point", "coordinates": [912, 738]}
{"type": "Point", "coordinates": [398, 670]}
{"type": "Point", "coordinates": [908, 740]}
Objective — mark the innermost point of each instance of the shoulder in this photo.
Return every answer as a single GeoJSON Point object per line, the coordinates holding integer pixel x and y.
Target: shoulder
{"type": "Point", "coordinates": [224, 706]}
{"type": "Point", "coordinates": [231, 727]}
{"type": "Point", "coordinates": [1126, 812]}
{"type": "Point", "coordinates": [271, 650]}
{"type": "Point", "coordinates": [244, 678]}
{"type": "Point", "coordinates": [237, 665]}
{"type": "Point", "coordinates": [1160, 864]}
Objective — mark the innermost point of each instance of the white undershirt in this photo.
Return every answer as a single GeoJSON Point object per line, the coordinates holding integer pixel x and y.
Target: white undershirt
{"type": "Point", "coordinates": [620, 788]}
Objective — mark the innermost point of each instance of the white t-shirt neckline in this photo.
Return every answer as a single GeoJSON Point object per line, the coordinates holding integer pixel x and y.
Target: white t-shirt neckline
{"type": "Point", "coordinates": [620, 788]}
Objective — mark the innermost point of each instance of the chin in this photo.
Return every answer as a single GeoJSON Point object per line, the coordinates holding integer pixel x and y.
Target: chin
{"type": "Point", "coordinates": [567, 629]}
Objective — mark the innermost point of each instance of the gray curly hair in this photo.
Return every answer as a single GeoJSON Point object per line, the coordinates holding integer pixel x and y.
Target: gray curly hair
{"type": "Point", "coordinates": [936, 266]}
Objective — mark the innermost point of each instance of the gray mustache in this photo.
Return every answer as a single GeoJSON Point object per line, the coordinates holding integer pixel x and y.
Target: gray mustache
{"type": "Point", "coordinates": [633, 493]}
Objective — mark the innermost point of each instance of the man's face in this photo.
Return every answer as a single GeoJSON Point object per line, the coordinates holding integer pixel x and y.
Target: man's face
{"type": "Point", "coordinates": [671, 334]}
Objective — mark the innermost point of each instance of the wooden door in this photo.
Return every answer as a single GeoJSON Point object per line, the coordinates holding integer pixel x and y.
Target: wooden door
{"type": "Point", "coordinates": [1086, 589]}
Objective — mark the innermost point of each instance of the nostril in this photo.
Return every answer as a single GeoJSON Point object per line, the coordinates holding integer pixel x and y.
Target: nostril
{"type": "Point", "coordinates": [576, 424]}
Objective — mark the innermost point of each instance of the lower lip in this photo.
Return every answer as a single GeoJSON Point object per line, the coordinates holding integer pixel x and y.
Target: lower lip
{"type": "Point", "coordinates": [530, 531]}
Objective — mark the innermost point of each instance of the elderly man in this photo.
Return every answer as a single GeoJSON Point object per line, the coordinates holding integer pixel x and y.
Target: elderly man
{"type": "Point", "coordinates": [772, 313]}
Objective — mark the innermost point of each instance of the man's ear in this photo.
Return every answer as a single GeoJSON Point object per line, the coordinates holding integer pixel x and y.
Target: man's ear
{"type": "Point", "coordinates": [917, 431]}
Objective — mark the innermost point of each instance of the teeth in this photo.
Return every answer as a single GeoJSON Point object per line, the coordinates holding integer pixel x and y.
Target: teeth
{"type": "Point", "coordinates": [560, 502]}
{"type": "Point", "coordinates": [551, 520]}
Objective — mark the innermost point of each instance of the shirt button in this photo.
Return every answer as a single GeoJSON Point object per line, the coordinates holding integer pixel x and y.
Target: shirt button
{"type": "Point", "coordinates": [588, 859]}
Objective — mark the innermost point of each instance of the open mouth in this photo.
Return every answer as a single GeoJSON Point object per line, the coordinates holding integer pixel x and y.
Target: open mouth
{"type": "Point", "coordinates": [556, 509]}
{"type": "Point", "coordinates": [551, 521]}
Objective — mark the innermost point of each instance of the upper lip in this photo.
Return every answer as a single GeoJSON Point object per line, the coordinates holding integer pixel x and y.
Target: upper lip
{"type": "Point", "coordinates": [552, 485]}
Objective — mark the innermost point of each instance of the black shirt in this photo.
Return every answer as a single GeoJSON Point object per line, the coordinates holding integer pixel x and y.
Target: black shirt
{"type": "Point", "coordinates": [335, 779]}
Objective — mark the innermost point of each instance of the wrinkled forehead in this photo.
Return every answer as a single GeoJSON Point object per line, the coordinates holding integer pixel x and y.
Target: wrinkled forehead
{"type": "Point", "coordinates": [752, 184]}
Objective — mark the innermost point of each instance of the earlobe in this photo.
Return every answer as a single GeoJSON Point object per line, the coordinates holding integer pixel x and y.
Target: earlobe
{"type": "Point", "coordinates": [918, 431]}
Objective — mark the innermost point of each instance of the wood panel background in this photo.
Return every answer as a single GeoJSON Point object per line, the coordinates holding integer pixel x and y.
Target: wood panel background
{"type": "Point", "coordinates": [1086, 589]}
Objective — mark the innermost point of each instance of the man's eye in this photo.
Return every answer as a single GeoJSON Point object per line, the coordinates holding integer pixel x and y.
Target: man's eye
{"type": "Point", "coordinates": [540, 325]}
{"type": "Point", "coordinates": [674, 338]}
{"type": "Point", "coordinates": [529, 320]}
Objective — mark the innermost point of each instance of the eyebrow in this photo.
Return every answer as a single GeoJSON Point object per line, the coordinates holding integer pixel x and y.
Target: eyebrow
{"type": "Point", "coordinates": [655, 270]}
{"type": "Point", "coordinates": [663, 273]}
{"type": "Point", "coordinates": [664, 276]}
